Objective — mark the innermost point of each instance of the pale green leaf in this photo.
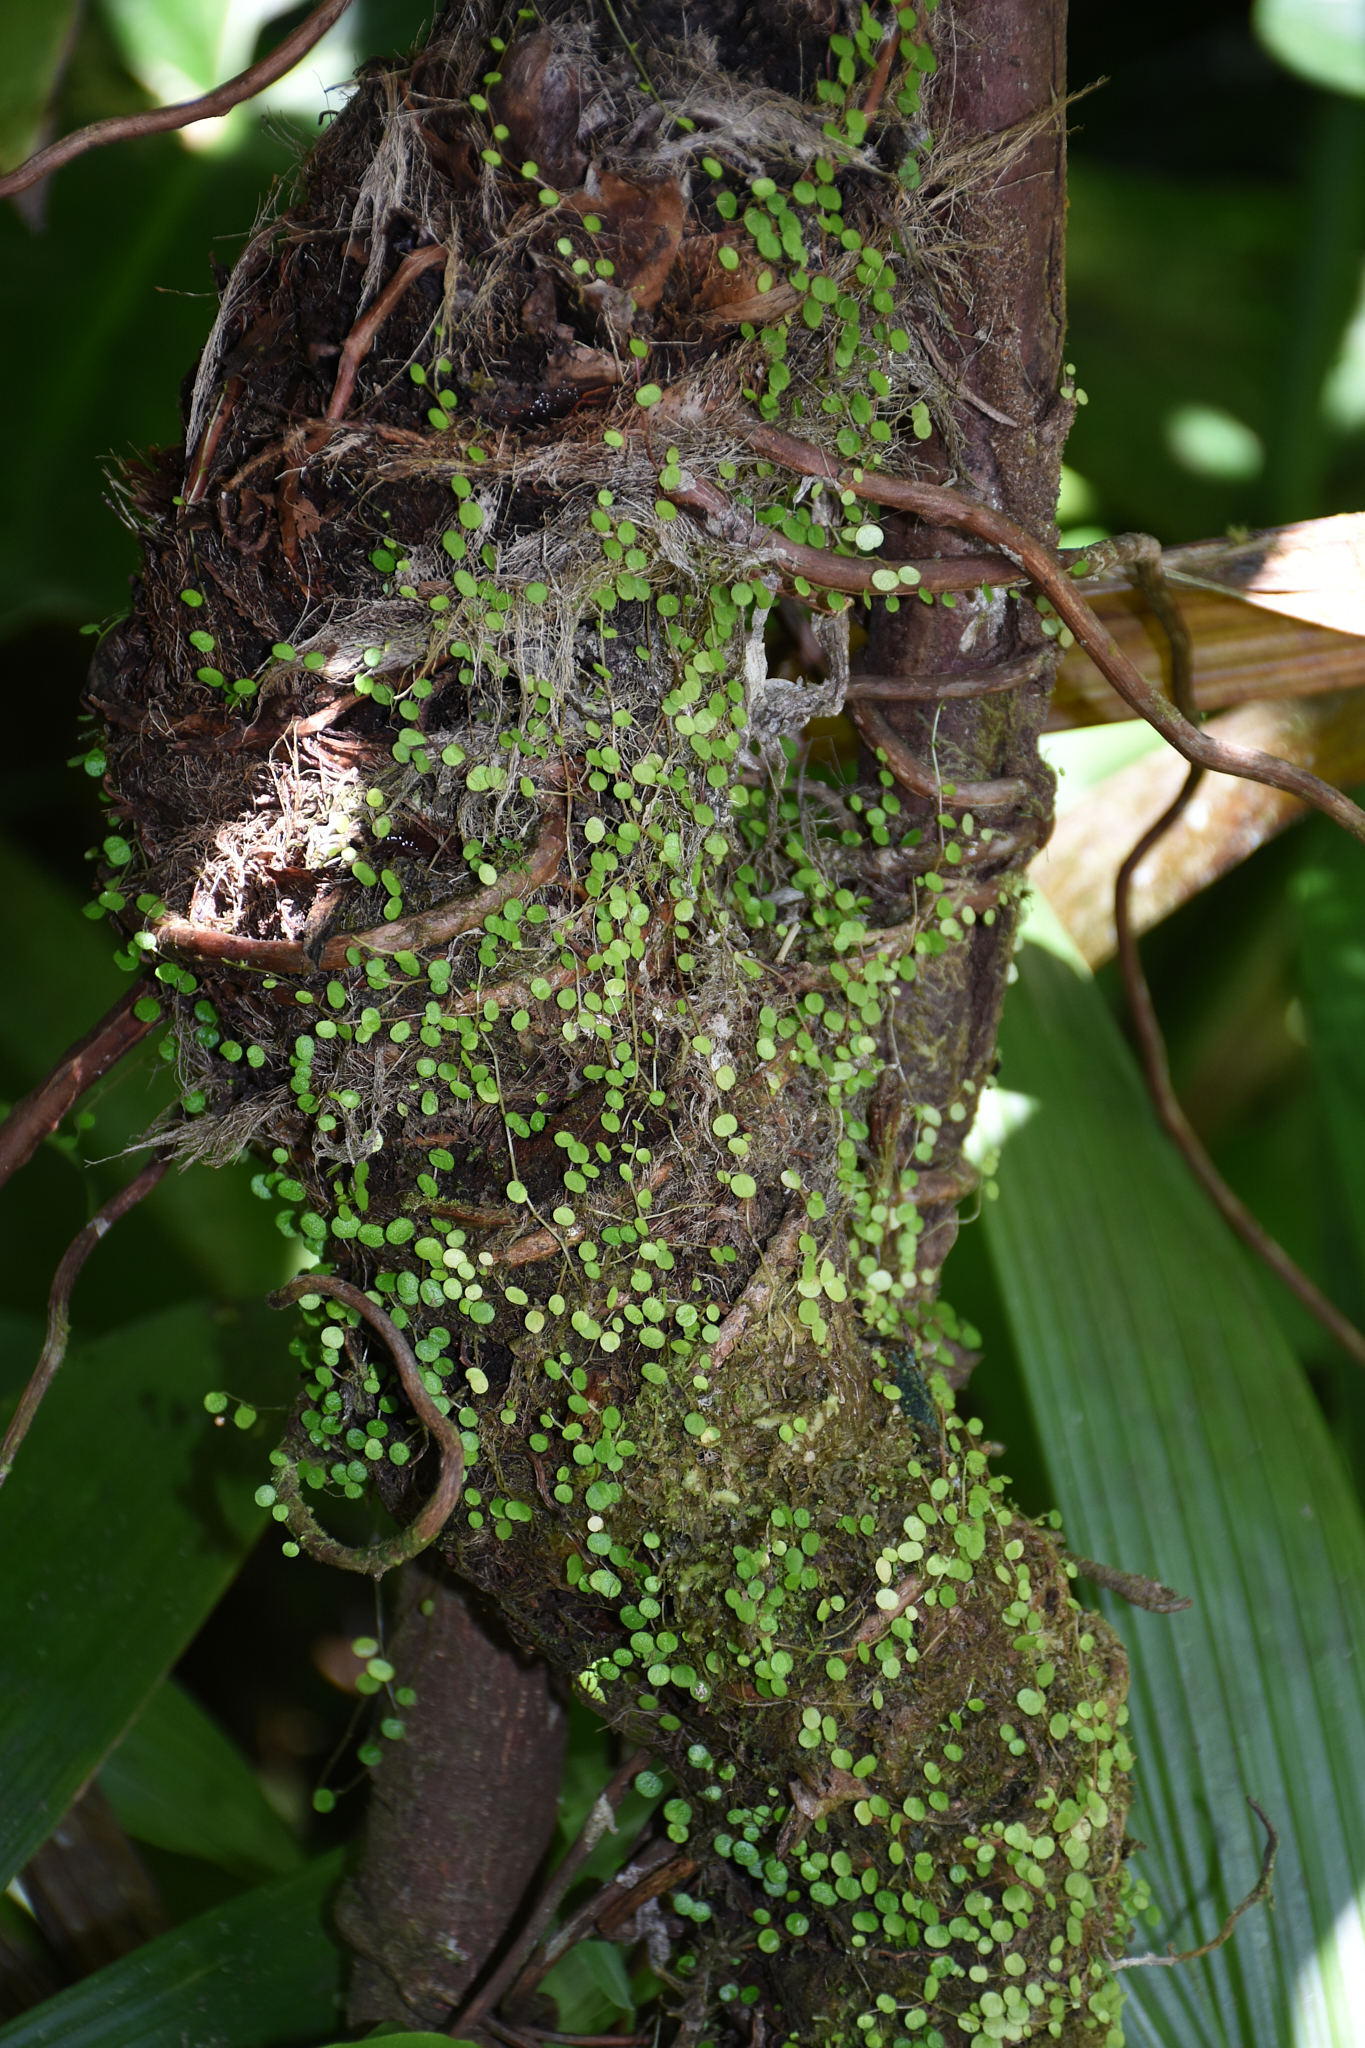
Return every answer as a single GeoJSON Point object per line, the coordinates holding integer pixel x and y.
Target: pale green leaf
{"type": "Point", "coordinates": [1184, 1443]}
{"type": "Point", "coordinates": [1320, 40]}
{"type": "Point", "coordinates": [125, 1518]}
{"type": "Point", "coordinates": [177, 1782]}
{"type": "Point", "coordinates": [263, 1971]}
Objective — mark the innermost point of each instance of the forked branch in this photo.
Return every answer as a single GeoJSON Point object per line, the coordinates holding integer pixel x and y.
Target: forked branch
{"type": "Point", "coordinates": [947, 508]}
{"type": "Point", "coordinates": [601, 1818]}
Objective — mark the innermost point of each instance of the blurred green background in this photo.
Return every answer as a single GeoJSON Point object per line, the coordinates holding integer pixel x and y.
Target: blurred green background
{"type": "Point", "coordinates": [1216, 243]}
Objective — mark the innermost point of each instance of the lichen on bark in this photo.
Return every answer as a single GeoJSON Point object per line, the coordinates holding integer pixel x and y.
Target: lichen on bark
{"type": "Point", "coordinates": [626, 1064]}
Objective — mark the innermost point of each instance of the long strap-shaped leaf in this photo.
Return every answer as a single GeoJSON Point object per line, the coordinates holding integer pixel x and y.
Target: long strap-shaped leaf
{"type": "Point", "coordinates": [125, 1519]}
{"type": "Point", "coordinates": [262, 1971]}
{"type": "Point", "coordinates": [1183, 1441]}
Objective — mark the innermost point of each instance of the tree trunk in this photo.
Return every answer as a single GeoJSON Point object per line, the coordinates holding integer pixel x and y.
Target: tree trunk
{"type": "Point", "coordinates": [627, 1066]}
{"type": "Point", "coordinates": [460, 1815]}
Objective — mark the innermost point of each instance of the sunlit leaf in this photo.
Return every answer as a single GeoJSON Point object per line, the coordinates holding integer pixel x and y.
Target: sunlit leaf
{"type": "Point", "coordinates": [125, 1517]}
{"type": "Point", "coordinates": [1183, 1442]}
{"type": "Point", "coordinates": [1320, 40]}
{"type": "Point", "coordinates": [263, 1971]}
{"type": "Point", "coordinates": [178, 1782]}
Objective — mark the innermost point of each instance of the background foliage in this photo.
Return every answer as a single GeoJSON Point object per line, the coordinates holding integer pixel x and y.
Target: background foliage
{"type": "Point", "coordinates": [1184, 1414]}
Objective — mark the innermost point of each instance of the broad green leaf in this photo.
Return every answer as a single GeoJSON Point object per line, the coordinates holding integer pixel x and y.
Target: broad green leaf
{"type": "Point", "coordinates": [1320, 40]}
{"type": "Point", "coordinates": [1183, 1442]}
{"type": "Point", "coordinates": [418, 2040]}
{"type": "Point", "coordinates": [125, 1517]}
{"type": "Point", "coordinates": [33, 43]}
{"type": "Point", "coordinates": [590, 1987]}
{"type": "Point", "coordinates": [179, 52]}
{"type": "Point", "coordinates": [201, 1231]}
{"type": "Point", "coordinates": [263, 1971]}
{"type": "Point", "coordinates": [177, 1781]}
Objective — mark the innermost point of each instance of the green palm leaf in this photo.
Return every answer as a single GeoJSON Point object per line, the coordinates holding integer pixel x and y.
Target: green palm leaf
{"type": "Point", "coordinates": [1183, 1442]}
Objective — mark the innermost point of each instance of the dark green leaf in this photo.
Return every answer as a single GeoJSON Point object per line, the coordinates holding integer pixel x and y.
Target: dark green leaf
{"type": "Point", "coordinates": [590, 1987]}
{"type": "Point", "coordinates": [202, 1231]}
{"type": "Point", "coordinates": [176, 1781]}
{"type": "Point", "coordinates": [263, 1971]}
{"type": "Point", "coordinates": [32, 44]}
{"type": "Point", "coordinates": [125, 1517]}
{"type": "Point", "coordinates": [1184, 1443]}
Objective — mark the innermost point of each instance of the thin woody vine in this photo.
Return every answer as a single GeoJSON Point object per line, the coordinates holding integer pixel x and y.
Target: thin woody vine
{"type": "Point", "coordinates": [612, 1066]}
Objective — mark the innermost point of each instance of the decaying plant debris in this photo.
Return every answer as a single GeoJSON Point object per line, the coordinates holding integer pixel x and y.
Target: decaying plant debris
{"type": "Point", "coordinates": [624, 1066]}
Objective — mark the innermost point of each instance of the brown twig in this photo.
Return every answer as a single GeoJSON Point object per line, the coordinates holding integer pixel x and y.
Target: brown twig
{"type": "Point", "coordinates": [376, 1558]}
{"type": "Point", "coordinates": [1147, 1029]}
{"type": "Point", "coordinates": [1157, 1073]}
{"type": "Point", "coordinates": [38, 1113]}
{"type": "Point", "coordinates": [360, 340]}
{"type": "Point", "coordinates": [774, 1260]}
{"type": "Point", "coordinates": [644, 1878]}
{"type": "Point", "coordinates": [59, 1306]}
{"type": "Point", "coordinates": [600, 1819]}
{"type": "Point", "coordinates": [946, 508]}
{"type": "Point", "coordinates": [885, 58]}
{"type": "Point", "coordinates": [912, 774]}
{"type": "Point", "coordinates": [320, 720]}
{"type": "Point", "coordinates": [1261, 1890]}
{"type": "Point", "coordinates": [211, 436]}
{"type": "Point", "coordinates": [434, 927]}
{"type": "Point", "coordinates": [1134, 1587]}
{"type": "Point", "coordinates": [824, 569]}
{"type": "Point", "coordinates": [157, 120]}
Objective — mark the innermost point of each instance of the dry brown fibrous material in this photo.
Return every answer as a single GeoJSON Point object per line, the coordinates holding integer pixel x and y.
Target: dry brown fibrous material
{"type": "Point", "coordinates": [423, 634]}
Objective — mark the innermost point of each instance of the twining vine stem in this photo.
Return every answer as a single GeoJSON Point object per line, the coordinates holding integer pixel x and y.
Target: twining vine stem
{"type": "Point", "coordinates": [158, 120]}
{"type": "Point", "coordinates": [1174, 719]}
{"type": "Point", "coordinates": [1259, 1891]}
{"type": "Point", "coordinates": [59, 1305]}
{"type": "Point", "coordinates": [1152, 1053]}
{"type": "Point", "coordinates": [376, 1558]}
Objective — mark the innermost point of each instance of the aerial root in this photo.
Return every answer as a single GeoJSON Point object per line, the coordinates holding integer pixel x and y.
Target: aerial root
{"type": "Point", "coordinates": [374, 1559]}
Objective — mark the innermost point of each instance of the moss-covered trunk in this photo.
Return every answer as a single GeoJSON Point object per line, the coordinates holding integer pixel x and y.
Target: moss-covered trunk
{"type": "Point", "coordinates": [626, 1061]}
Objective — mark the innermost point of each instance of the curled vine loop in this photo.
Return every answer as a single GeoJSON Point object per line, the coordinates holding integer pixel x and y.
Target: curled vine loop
{"type": "Point", "coordinates": [374, 1559]}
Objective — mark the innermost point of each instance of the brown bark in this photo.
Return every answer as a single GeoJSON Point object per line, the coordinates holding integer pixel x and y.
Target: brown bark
{"type": "Point", "coordinates": [460, 1814]}
{"type": "Point", "coordinates": [90, 1894]}
{"type": "Point", "coordinates": [1001, 63]}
